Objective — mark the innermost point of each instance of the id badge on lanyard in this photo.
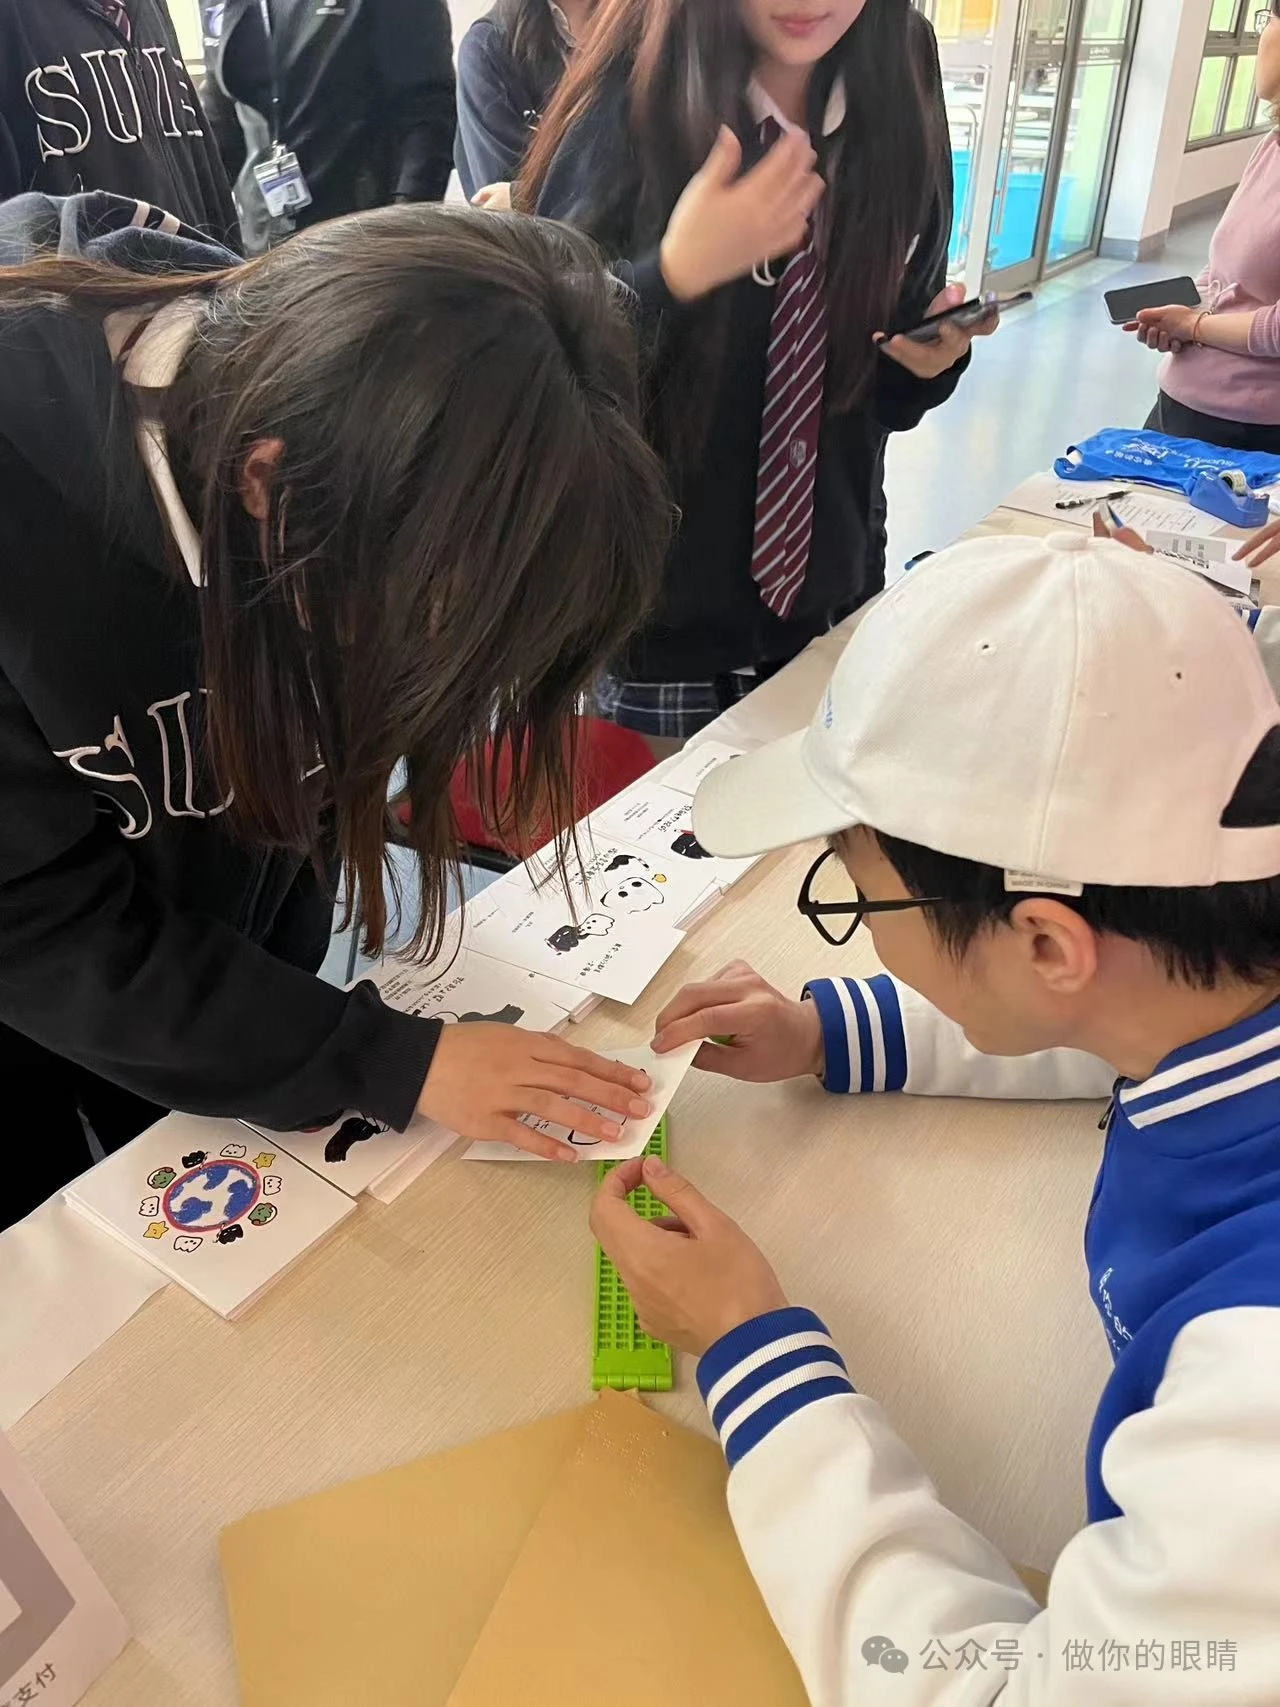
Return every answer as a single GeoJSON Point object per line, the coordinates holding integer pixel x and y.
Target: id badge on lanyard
{"type": "Point", "coordinates": [284, 189]}
{"type": "Point", "coordinates": [280, 179]}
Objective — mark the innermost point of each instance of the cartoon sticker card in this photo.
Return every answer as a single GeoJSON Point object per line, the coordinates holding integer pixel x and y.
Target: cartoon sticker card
{"type": "Point", "coordinates": [214, 1205]}
{"type": "Point", "coordinates": [659, 821]}
{"type": "Point", "coordinates": [610, 936]}
{"type": "Point", "coordinates": [59, 1628]}
{"type": "Point", "coordinates": [359, 1153]}
{"type": "Point", "coordinates": [474, 987]}
{"type": "Point", "coordinates": [619, 878]}
{"type": "Point", "coordinates": [686, 771]}
{"type": "Point", "coordinates": [666, 1072]}
{"type": "Point", "coordinates": [354, 1152]}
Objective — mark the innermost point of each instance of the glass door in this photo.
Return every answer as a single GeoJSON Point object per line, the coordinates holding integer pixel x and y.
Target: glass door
{"type": "Point", "coordinates": [975, 43]}
{"type": "Point", "coordinates": [1070, 63]}
{"type": "Point", "coordinates": [1097, 91]}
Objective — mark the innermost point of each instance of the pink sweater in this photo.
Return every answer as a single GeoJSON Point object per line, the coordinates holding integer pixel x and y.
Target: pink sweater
{"type": "Point", "coordinates": [1243, 273]}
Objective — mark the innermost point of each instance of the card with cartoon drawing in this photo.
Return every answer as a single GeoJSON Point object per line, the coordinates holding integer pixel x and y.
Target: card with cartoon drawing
{"type": "Point", "coordinates": [618, 924]}
{"type": "Point", "coordinates": [659, 822]}
{"type": "Point", "coordinates": [212, 1204]}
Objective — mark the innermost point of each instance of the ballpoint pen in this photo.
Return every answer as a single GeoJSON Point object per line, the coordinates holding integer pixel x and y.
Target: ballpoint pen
{"type": "Point", "coordinates": [1083, 503]}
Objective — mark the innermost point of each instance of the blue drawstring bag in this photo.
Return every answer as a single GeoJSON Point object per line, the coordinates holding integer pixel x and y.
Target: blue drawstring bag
{"type": "Point", "coordinates": [1120, 453]}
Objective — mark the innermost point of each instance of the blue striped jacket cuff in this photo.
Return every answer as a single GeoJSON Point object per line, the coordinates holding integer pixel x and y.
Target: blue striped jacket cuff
{"type": "Point", "coordinates": [756, 1377]}
{"type": "Point", "coordinates": [864, 1040]}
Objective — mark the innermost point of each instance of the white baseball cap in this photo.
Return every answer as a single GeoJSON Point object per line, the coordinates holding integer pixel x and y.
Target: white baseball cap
{"type": "Point", "coordinates": [1066, 709]}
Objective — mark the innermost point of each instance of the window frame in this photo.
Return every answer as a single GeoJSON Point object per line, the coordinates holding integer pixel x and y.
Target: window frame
{"type": "Point", "coordinates": [1231, 46]}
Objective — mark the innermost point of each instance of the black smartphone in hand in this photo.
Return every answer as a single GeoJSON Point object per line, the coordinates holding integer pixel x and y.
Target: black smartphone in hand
{"type": "Point", "coordinates": [1123, 305]}
{"type": "Point", "coordinates": [964, 314]}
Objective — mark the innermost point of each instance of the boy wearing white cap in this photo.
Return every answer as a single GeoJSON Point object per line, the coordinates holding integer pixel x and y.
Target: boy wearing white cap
{"type": "Point", "coordinates": [1051, 770]}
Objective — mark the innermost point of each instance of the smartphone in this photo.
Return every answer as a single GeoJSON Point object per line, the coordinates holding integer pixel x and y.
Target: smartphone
{"type": "Point", "coordinates": [1123, 305]}
{"type": "Point", "coordinates": [964, 315]}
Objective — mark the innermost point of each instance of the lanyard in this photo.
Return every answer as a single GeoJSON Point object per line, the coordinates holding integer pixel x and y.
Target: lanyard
{"type": "Point", "coordinates": [264, 11]}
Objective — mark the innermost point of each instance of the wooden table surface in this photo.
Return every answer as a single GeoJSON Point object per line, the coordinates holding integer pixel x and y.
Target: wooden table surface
{"type": "Point", "coordinates": [941, 1241]}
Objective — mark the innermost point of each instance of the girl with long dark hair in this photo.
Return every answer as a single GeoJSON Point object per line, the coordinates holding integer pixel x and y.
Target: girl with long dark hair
{"type": "Point", "coordinates": [272, 530]}
{"type": "Point", "coordinates": [773, 177]}
{"type": "Point", "coordinates": [510, 63]}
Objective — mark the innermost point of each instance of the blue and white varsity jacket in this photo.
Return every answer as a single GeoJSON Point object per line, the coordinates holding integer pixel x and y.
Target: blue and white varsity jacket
{"type": "Point", "coordinates": [840, 1524]}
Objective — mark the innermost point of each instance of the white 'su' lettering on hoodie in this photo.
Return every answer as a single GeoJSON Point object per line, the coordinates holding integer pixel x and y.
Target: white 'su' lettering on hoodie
{"type": "Point", "coordinates": [1171, 1593]}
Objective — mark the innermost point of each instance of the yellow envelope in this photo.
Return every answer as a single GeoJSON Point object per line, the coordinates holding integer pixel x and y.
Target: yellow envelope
{"type": "Point", "coordinates": [630, 1589]}
{"type": "Point", "coordinates": [376, 1591]}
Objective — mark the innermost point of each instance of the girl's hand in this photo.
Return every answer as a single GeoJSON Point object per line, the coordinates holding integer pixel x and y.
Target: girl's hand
{"type": "Point", "coordinates": [930, 361]}
{"type": "Point", "coordinates": [1260, 547]}
{"type": "Point", "coordinates": [495, 197]}
{"type": "Point", "coordinates": [484, 1077]}
{"type": "Point", "coordinates": [726, 223]}
{"type": "Point", "coordinates": [1166, 329]}
{"type": "Point", "coordinates": [773, 1037]}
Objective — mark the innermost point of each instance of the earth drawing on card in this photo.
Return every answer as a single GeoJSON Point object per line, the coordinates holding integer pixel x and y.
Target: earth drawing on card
{"type": "Point", "coordinates": [210, 1200]}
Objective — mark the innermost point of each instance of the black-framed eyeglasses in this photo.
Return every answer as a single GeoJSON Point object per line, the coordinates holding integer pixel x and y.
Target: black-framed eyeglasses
{"type": "Point", "coordinates": [818, 912]}
{"type": "Point", "coordinates": [1265, 17]}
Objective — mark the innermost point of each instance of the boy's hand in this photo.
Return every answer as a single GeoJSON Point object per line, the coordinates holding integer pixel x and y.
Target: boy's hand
{"type": "Point", "coordinates": [694, 1276]}
{"type": "Point", "coordinates": [728, 221]}
{"type": "Point", "coordinates": [773, 1037]}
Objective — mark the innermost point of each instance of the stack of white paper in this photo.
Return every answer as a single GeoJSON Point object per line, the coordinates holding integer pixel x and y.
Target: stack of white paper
{"type": "Point", "coordinates": [658, 820]}
{"type": "Point", "coordinates": [616, 927]}
{"type": "Point", "coordinates": [687, 770]}
{"type": "Point", "coordinates": [212, 1205]}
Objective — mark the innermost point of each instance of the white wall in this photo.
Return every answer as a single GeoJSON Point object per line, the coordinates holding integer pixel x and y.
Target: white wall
{"type": "Point", "coordinates": [186, 21]}
{"type": "Point", "coordinates": [1153, 135]}
{"type": "Point", "coordinates": [1207, 170]}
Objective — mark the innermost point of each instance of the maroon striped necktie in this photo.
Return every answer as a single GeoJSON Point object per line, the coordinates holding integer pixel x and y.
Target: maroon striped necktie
{"type": "Point", "coordinates": [789, 426]}
{"type": "Point", "coordinates": [115, 13]}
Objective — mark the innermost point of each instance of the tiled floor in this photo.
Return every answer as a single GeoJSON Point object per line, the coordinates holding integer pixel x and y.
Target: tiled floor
{"type": "Point", "coordinates": [1056, 371]}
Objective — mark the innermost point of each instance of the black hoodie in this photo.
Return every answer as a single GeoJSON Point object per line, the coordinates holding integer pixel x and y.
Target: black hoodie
{"type": "Point", "coordinates": [84, 107]}
{"type": "Point", "coordinates": [136, 936]}
{"type": "Point", "coordinates": [365, 93]}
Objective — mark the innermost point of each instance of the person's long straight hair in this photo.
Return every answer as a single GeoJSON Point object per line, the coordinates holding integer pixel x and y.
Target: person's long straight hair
{"type": "Point", "coordinates": [682, 66]}
{"type": "Point", "coordinates": [464, 521]}
{"type": "Point", "coordinates": [532, 39]}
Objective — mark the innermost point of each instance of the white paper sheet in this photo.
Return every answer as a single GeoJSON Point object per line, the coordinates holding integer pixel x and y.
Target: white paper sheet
{"type": "Point", "coordinates": [685, 772]}
{"type": "Point", "coordinates": [1212, 558]}
{"type": "Point", "coordinates": [66, 1289]}
{"type": "Point", "coordinates": [1144, 506]}
{"type": "Point", "coordinates": [666, 1071]}
{"type": "Point", "coordinates": [659, 821]}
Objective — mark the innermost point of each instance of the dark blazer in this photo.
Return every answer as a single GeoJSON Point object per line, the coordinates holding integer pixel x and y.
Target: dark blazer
{"type": "Point", "coordinates": [711, 619]}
